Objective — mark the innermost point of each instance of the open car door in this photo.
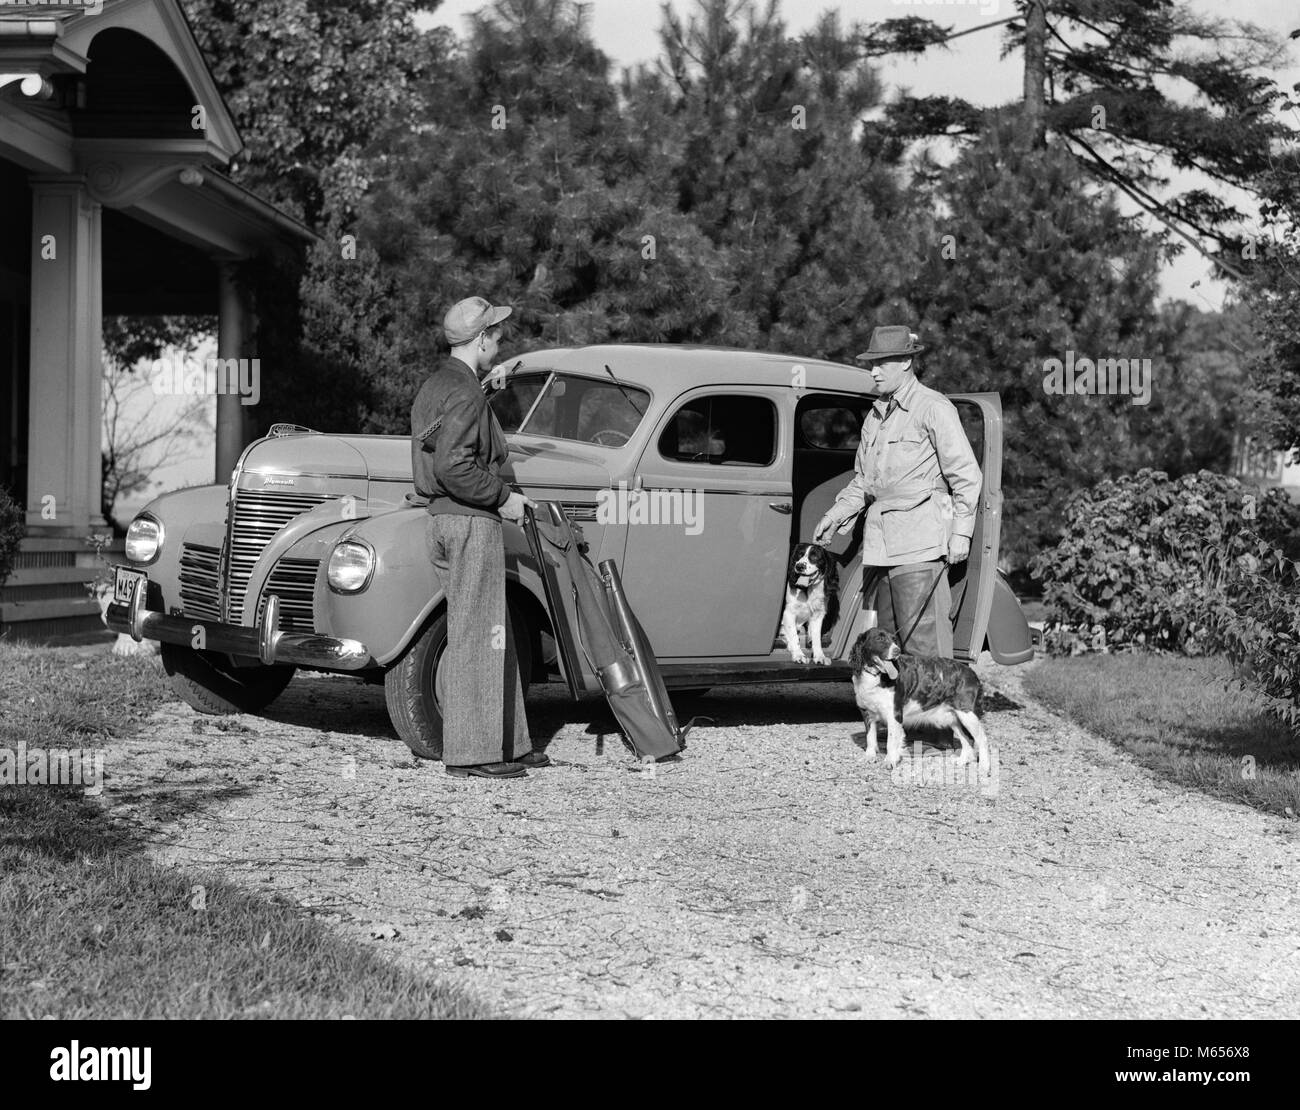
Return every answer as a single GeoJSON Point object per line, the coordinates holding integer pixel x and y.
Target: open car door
{"type": "Point", "coordinates": [974, 582]}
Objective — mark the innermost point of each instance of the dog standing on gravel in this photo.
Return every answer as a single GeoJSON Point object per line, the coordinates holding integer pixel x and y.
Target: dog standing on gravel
{"type": "Point", "coordinates": [905, 690]}
{"type": "Point", "coordinates": [812, 598]}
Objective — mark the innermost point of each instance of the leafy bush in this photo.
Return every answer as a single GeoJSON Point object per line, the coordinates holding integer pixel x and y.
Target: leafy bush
{"type": "Point", "coordinates": [1259, 626]}
{"type": "Point", "coordinates": [12, 530]}
{"type": "Point", "coordinates": [1146, 561]}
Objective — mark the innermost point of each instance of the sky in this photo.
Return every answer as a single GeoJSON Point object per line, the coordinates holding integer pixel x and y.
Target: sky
{"type": "Point", "coordinates": [627, 30]}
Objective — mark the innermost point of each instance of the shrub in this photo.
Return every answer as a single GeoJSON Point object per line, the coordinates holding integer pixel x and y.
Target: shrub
{"type": "Point", "coordinates": [1259, 627]}
{"type": "Point", "coordinates": [1146, 561]}
{"type": "Point", "coordinates": [12, 530]}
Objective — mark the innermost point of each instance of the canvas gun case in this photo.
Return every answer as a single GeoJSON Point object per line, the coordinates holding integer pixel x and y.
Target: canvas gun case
{"type": "Point", "coordinates": [600, 643]}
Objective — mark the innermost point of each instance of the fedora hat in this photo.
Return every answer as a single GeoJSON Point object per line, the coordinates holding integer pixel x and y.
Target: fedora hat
{"type": "Point", "coordinates": [891, 341]}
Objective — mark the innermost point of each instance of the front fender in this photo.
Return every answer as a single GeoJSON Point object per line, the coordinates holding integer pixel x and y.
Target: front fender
{"type": "Point", "coordinates": [1008, 637]}
{"type": "Point", "coordinates": [194, 515]}
{"type": "Point", "coordinates": [405, 589]}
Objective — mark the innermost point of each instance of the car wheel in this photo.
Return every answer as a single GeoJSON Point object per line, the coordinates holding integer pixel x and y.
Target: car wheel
{"type": "Point", "coordinates": [211, 684]}
{"type": "Point", "coordinates": [414, 686]}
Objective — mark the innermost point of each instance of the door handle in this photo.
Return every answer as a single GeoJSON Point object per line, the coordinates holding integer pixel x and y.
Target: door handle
{"type": "Point", "coordinates": [781, 506]}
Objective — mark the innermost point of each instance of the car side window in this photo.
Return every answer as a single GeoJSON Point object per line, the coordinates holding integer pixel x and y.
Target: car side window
{"type": "Point", "coordinates": [831, 423]}
{"type": "Point", "coordinates": [722, 429]}
{"type": "Point", "coordinates": [972, 423]}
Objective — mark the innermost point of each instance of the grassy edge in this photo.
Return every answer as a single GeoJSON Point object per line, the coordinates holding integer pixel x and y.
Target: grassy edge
{"type": "Point", "coordinates": [1183, 718]}
{"type": "Point", "coordinates": [94, 930]}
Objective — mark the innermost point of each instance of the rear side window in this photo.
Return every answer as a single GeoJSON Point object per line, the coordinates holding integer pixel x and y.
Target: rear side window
{"type": "Point", "coordinates": [831, 423]}
{"type": "Point", "coordinates": [723, 429]}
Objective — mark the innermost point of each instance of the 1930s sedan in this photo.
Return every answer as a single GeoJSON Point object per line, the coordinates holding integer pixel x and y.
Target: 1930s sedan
{"type": "Point", "coordinates": [695, 469]}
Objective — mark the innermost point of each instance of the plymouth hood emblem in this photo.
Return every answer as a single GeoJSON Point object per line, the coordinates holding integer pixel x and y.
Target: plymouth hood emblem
{"type": "Point", "coordinates": [277, 481]}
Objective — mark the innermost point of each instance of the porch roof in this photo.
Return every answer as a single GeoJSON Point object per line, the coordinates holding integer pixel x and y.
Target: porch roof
{"type": "Point", "coordinates": [113, 98]}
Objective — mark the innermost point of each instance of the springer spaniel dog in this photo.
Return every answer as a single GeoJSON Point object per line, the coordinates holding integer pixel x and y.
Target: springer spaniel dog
{"type": "Point", "coordinates": [914, 690]}
{"type": "Point", "coordinates": [812, 599]}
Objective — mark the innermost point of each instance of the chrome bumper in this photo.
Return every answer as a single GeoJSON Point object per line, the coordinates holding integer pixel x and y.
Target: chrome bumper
{"type": "Point", "coordinates": [266, 642]}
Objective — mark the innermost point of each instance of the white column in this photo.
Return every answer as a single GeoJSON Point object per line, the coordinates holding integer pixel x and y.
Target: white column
{"type": "Point", "coordinates": [231, 336]}
{"type": "Point", "coordinates": [64, 473]}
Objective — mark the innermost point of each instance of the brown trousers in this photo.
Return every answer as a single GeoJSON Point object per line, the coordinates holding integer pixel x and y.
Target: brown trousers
{"type": "Point", "coordinates": [483, 717]}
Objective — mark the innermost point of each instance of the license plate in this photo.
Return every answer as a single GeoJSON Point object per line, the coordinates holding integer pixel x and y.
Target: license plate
{"type": "Point", "coordinates": [123, 582]}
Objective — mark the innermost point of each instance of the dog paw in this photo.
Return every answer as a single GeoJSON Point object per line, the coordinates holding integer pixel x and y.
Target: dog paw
{"type": "Point", "coordinates": [872, 754]}
{"type": "Point", "coordinates": [798, 657]}
{"type": "Point", "coordinates": [821, 660]}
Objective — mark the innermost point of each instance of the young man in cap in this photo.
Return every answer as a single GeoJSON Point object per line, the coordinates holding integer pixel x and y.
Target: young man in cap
{"type": "Point", "coordinates": [917, 477]}
{"type": "Point", "coordinates": [457, 449]}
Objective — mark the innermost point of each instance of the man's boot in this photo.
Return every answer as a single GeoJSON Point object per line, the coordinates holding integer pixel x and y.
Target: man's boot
{"type": "Point", "coordinates": [908, 587]}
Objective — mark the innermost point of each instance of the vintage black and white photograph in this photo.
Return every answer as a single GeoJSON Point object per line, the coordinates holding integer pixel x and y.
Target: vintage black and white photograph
{"type": "Point", "coordinates": [651, 509]}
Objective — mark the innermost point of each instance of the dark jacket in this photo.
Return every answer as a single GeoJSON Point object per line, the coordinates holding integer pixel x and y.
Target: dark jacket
{"type": "Point", "coordinates": [457, 446]}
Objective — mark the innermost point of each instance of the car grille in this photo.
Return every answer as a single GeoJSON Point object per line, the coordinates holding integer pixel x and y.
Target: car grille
{"type": "Point", "coordinates": [579, 511]}
{"type": "Point", "coordinates": [293, 582]}
{"type": "Point", "coordinates": [257, 516]}
{"type": "Point", "coordinates": [200, 597]}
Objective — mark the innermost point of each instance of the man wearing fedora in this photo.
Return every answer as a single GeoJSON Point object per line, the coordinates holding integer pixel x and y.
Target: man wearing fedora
{"type": "Point", "coordinates": [457, 449]}
{"type": "Point", "coordinates": [916, 476]}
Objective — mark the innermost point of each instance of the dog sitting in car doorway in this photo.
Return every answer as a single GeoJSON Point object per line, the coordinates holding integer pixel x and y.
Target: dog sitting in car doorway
{"type": "Point", "coordinates": [812, 598]}
{"type": "Point", "coordinates": [903, 690]}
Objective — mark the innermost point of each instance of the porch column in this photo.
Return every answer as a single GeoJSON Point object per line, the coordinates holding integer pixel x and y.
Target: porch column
{"type": "Point", "coordinates": [64, 474]}
{"type": "Point", "coordinates": [232, 334]}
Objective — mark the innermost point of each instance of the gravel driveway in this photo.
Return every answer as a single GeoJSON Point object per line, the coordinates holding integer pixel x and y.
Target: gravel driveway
{"type": "Point", "coordinates": [772, 872]}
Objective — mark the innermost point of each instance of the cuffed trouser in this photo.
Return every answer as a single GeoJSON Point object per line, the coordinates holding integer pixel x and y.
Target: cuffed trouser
{"type": "Point", "coordinates": [898, 597]}
{"type": "Point", "coordinates": [483, 705]}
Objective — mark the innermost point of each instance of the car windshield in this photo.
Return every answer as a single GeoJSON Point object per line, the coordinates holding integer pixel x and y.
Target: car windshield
{"type": "Point", "coordinates": [569, 406]}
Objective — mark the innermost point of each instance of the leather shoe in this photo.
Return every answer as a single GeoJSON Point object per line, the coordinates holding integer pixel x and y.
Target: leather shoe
{"type": "Point", "coordinates": [489, 771]}
{"type": "Point", "coordinates": [534, 759]}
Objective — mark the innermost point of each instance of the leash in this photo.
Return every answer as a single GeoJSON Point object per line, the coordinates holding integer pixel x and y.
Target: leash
{"type": "Point", "coordinates": [943, 569]}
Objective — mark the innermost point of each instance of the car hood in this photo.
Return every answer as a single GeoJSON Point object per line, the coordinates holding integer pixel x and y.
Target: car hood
{"type": "Point", "coordinates": [534, 462]}
{"type": "Point", "coordinates": [342, 456]}
{"type": "Point", "coordinates": [537, 463]}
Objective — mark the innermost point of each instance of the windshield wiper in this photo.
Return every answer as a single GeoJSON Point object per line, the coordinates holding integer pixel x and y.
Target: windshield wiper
{"type": "Point", "coordinates": [622, 390]}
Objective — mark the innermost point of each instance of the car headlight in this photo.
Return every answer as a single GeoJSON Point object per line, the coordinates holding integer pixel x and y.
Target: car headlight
{"type": "Point", "coordinates": [144, 539]}
{"type": "Point", "coordinates": [350, 567]}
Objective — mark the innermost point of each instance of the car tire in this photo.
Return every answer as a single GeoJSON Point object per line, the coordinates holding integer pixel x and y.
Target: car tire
{"type": "Point", "coordinates": [411, 684]}
{"type": "Point", "coordinates": [207, 681]}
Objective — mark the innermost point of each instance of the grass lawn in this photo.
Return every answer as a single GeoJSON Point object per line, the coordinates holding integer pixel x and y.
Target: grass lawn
{"type": "Point", "coordinates": [1184, 718]}
{"type": "Point", "coordinates": [92, 929]}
